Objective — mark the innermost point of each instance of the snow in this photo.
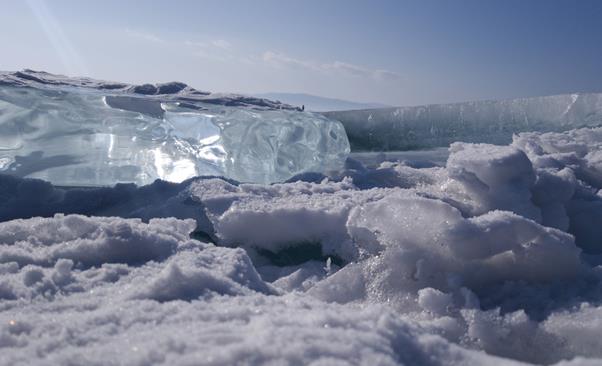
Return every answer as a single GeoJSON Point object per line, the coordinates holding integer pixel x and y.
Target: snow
{"type": "Point", "coordinates": [90, 242]}
{"type": "Point", "coordinates": [201, 304]}
{"type": "Point", "coordinates": [491, 257]}
{"type": "Point", "coordinates": [80, 132]}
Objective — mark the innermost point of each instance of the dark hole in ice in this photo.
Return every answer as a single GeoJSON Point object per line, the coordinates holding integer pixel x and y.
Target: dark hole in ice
{"type": "Point", "coordinates": [298, 254]}
{"type": "Point", "coordinates": [112, 86]}
{"type": "Point", "coordinates": [170, 88]}
{"type": "Point", "coordinates": [145, 89]}
{"type": "Point", "coordinates": [202, 236]}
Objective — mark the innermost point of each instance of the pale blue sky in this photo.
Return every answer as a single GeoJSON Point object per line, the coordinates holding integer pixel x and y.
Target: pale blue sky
{"type": "Point", "coordinates": [395, 52]}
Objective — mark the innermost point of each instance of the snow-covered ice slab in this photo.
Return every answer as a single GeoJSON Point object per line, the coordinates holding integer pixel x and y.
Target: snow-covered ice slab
{"type": "Point", "coordinates": [83, 132]}
{"type": "Point", "coordinates": [492, 121]}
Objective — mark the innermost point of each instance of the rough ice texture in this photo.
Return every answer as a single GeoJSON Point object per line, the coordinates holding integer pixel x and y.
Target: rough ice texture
{"type": "Point", "coordinates": [83, 132]}
{"type": "Point", "coordinates": [491, 259]}
{"type": "Point", "coordinates": [428, 126]}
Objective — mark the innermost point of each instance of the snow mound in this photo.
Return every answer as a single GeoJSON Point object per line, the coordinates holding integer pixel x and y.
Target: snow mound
{"type": "Point", "coordinates": [441, 249]}
{"type": "Point", "coordinates": [70, 254]}
{"type": "Point", "coordinates": [499, 177]}
{"type": "Point", "coordinates": [90, 242]}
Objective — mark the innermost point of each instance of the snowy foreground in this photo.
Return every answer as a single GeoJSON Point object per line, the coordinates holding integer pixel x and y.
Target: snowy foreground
{"type": "Point", "coordinates": [489, 259]}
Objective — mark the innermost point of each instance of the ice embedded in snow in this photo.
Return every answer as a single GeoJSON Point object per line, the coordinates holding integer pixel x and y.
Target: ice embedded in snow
{"type": "Point", "coordinates": [81, 132]}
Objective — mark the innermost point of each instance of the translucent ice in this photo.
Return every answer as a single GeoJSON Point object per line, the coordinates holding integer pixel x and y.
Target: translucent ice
{"type": "Point", "coordinates": [493, 121]}
{"type": "Point", "coordinates": [84, 132]}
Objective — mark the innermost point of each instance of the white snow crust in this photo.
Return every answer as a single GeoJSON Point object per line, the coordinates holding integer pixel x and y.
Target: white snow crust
{"type": "Point", "coordinates": [492, 259]}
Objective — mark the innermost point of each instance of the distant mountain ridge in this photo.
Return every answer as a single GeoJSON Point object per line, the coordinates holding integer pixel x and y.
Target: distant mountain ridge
{"type": "Point", "coordinates": [317, 103]}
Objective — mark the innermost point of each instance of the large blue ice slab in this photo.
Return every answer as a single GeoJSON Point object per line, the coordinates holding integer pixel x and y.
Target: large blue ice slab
{"type": "Point", "coordinates": [82, 132]}
{"type": "Point", "coordinates": [490, 121]}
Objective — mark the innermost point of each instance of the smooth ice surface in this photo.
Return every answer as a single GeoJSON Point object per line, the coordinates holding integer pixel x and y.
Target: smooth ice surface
{"type": "Point", "coordinates": [408, 128]}
{"type": "Point", "coordinates": [82, 132]}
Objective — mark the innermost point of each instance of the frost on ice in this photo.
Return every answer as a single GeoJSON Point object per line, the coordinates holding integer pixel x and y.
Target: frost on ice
{"type": "Point", "coordinates": [82, 132]}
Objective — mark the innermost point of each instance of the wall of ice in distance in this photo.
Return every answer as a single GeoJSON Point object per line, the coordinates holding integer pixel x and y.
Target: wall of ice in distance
{"type": "Point", "coordinates": [84, 132]}
{"type": "Point", "coordinates": [438, 125]}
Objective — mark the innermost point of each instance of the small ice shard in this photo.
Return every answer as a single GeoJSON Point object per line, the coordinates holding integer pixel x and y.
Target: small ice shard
{"type": "Point", "coordinates": [83, 132]}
